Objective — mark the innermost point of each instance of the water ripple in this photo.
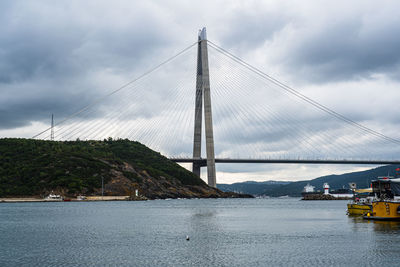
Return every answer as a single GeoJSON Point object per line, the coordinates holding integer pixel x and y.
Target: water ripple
{"type": "Point", "coordinates": [223, 232]}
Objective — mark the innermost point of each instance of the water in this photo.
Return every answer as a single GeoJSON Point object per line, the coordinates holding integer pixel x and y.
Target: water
{"type": "Point", "coordinates": [223, 232]}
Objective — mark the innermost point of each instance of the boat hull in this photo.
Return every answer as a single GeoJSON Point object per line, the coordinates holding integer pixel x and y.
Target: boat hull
{"type": "Point", "coordinates": [384, 210]}
{"type": "Point", "coordinates": [358, 209]}
{"type": "Point", "coordinates": [380, 218]}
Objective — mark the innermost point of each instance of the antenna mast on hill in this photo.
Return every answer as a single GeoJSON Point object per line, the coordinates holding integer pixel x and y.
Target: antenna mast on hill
{"type": "Point", "coordinates": [52, 128]}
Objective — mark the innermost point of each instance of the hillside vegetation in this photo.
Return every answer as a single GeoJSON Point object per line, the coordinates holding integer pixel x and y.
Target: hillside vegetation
{"type": "Point", "coordinates": [35, 167]}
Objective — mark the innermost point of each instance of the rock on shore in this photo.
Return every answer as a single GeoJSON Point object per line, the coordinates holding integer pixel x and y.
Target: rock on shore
{"type": "Point", "coordinates": [322, 197]}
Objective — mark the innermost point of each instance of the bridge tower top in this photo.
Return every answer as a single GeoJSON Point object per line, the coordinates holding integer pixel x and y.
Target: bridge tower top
{"type": "Point", "coordinates": [203, 34]}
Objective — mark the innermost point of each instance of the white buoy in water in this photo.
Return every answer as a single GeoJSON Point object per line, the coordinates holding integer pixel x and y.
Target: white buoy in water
{"type": "Point", "coordinates": [187, 238]}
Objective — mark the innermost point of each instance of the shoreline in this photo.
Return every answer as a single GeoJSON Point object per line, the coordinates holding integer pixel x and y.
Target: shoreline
{"type": "Point", "coordinates": [90, 198]}
{"type": "Point", "coordinates": [310, 197]}
{"type": "Point", "coordinates": [95, 198]}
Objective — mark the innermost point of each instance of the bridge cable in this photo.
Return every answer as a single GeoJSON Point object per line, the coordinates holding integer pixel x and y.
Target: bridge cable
{"type": "Point", "coordinates": [246, 110]}
{"type": "Point", "coordinates": [255, 111]}
{"type": "Point", "coordinates": [118, 89]}
{"type": "Point", "coordinates": [300, 95]}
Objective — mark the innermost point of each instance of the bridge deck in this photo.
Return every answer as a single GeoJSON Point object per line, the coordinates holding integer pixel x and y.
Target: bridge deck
{"type": "Point", "coordinates": [203, 162]}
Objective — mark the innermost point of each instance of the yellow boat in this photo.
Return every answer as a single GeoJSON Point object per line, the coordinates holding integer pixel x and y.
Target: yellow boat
{"type": "Point", "coordinates": [384, 210]}
{"type": "Point", "coordinates": [358, 208]}
{"type": "Point", "coordinates": [387, 203]}
{"type": "Point", "coordinates": [361, 204]}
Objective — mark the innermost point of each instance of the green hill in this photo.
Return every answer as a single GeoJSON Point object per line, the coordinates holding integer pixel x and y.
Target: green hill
{"type": "Point", "coordinates": [35, 167]}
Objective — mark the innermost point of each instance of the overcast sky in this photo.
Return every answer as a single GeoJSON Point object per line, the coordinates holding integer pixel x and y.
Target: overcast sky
{"type": "Point", "coordinates": [58, 56]}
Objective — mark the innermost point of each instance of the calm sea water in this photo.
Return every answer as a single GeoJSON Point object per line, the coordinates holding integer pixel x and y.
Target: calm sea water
{"type": "Point", "coordinates": [223, 232]}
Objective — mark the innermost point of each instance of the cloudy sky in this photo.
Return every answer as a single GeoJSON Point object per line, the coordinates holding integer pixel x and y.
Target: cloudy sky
{"type": "Point", "coordinates": [59, 56]}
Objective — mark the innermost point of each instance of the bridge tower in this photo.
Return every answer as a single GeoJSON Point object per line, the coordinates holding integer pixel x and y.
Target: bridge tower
{"type": "Point", "coordinates": [203, 90]}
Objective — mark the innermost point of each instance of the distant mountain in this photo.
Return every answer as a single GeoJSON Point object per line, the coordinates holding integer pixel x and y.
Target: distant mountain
{"type": "Point", "coordinates": [252, 187]}
{"type": "Point", "coordinates": [275, 188]}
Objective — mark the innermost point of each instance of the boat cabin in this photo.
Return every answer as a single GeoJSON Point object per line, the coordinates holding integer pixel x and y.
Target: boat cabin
{"type": "Point", "coordinates": [386, 188]}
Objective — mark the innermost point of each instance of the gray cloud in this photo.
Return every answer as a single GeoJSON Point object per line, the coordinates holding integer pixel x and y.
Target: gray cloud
{"type": "Point", "coordinates": [51, 54]}
{"type": "Point", "coordinates": [56, 57]}
{"type": "Point", "coordinates": [346, 51]}
{"type": "Point", "coordinates": [248, 28]}
{"type": "Point", "coordinates": [320, 42]}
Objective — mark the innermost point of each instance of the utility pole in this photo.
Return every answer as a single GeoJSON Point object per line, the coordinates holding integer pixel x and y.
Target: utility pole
{"type": "Point", "coordinates": [52, 128]}
{"type": "Point", "coordinates": [102, 188]}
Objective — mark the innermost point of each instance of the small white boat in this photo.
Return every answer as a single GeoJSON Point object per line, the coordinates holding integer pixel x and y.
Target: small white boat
{"type": "Point", "coordinates": [80, 197]}
{"type": "Point", "coordinates": [284, 197]}
{"type": "Point", "coordinates": [53, 197]}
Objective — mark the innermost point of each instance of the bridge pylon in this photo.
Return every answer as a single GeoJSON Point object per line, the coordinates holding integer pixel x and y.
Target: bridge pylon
{"type": "Point", "coordinates": [203, 91]}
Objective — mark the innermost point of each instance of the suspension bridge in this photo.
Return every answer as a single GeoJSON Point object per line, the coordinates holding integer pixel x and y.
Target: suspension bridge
{"type": "Point", "coordinates": [248, 117]}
